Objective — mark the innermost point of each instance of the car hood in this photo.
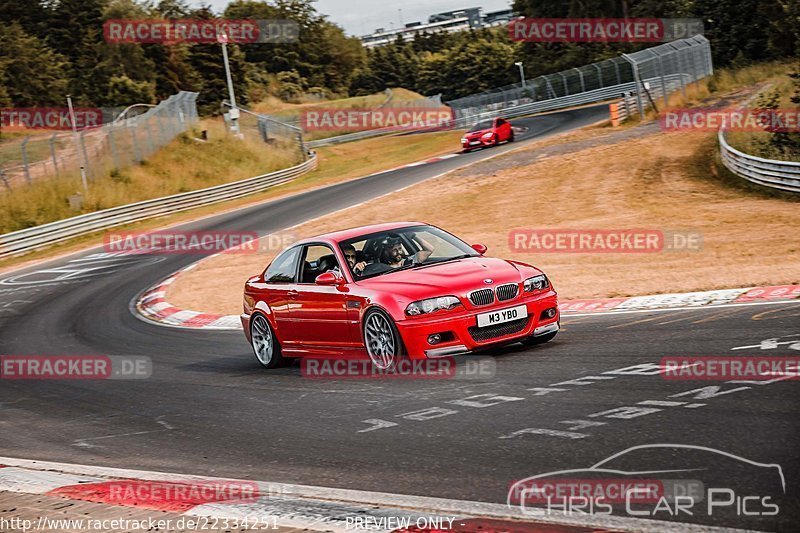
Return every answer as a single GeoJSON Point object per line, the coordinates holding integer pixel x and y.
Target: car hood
{"type": "Point", "coordinates": [473, 134]}
{"type": "Point", "coordinates": [453, 277]}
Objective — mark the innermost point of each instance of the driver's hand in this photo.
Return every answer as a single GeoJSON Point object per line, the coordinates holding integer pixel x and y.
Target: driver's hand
{"type": "Point", "coordinates": [359, 266]}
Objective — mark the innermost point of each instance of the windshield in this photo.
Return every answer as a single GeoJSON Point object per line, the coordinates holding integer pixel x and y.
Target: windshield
{"type": "Point", "coordinates": [376, 254]}
{"type": "Point", "coordinates": [485, 125]}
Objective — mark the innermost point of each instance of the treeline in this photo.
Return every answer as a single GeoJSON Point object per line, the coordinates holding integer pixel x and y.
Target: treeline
{"type": "Point", "coordinates": [49, 48]}
{"type": "Point", "coordinates": [741, 32]}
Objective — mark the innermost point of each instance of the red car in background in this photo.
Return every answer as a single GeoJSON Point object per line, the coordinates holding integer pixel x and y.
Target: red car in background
{"type": "Point", "coordinates": [388, 291]}
{"type": "Point", "coordinates": [488, 133]}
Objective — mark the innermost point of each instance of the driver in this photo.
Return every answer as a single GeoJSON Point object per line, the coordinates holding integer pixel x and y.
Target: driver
{"type": "Point", "coordinates": [352, 259]}
{"type": "Point", "coordinates": [393, 254]}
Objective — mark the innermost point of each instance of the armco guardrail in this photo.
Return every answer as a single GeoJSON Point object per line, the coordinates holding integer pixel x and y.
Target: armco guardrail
{"type": "Point", "coordinates": [784, 175]}
{"type": "Point", "coordinates": [26, 240]}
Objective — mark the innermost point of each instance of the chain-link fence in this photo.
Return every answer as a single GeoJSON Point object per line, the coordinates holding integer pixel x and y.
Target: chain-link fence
{"type": "Point", "coordinates": [682, 62]}
{"type": "Point", "coordinates": [268, 129]}
{"type": "Point", "coordinates": [686, 60]}
{"type": "Point", "coordinates": [117, 144]}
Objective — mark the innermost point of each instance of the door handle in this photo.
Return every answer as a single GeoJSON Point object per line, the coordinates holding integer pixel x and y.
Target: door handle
{"type": "Point", "coordinates": [292, 294]}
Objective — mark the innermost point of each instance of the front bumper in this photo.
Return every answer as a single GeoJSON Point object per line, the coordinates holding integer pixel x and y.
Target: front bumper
{"type": "Point", "coordinates": [245, 318]}
{"type": "Point", "coordinates": [461, 335]}
{"type": "Point", "coordinates": [477, 143]}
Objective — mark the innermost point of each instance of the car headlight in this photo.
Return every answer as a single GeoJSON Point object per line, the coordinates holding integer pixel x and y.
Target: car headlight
{"type": "Point", "coordinates": [536, 283]}
{"type": "Point", "coordinates": [431, 305]}
{"type": "Point", "coordinates": [463, 140]}
{"type": "Point", "coordinates": [487, 135]}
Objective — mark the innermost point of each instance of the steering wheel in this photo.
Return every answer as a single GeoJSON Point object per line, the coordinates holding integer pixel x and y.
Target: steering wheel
{"type": "Point", "coordinates": [375, 268]}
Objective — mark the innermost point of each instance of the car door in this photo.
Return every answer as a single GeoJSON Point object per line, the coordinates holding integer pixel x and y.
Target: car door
{"type": "Point", "coordinates": [278, 291]}
{"type": "Point", "coordinates": [318, 312]}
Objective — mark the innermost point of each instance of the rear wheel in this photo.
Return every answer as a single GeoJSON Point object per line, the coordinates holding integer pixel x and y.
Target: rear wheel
{"type": "Point", "coordinates": [265, 345]}
{"type": "Point", "coordinates": [382, 340]}
{"type": "Point", "coordinates": [511, 137]}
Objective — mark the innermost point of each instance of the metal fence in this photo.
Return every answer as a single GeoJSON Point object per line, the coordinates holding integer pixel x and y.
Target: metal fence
{"type": "Point", "coordinates": [116, 144]}
{"type": "Point", "coordinates": [268, 129]}
{"type": "Point", "coordinates": [643, 79]}
{"type": "Point", "coordinates": [23, 241]}
{"type": "Point", "coordinates": [688, 59]}
{"type": "Point", "coordinates": [783, 175]}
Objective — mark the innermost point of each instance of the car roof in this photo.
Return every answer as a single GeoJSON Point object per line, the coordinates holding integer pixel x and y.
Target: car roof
{"type": "Point", "coordinates": [345, 234]}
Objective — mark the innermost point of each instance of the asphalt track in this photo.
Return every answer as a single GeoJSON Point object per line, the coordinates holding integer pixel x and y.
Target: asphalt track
{"type": "Point", "coordinates": [209, 409]}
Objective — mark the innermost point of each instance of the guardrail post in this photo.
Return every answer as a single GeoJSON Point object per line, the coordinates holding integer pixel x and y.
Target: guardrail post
{"type": "Point", "coordinates": [566, 87]}
{"type": "Point", "coordinates": [580, 75]}
{"type": "Point", "coordinates": [599, 74]}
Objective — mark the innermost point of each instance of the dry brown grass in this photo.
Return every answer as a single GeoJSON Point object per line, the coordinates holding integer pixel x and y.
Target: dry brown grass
{"type": "Point", "coordinates": [660, 181]}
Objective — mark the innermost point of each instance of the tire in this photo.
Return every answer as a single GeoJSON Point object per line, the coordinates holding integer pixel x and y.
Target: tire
{"type": "Point", "coordinates": [533, 341]}
{"type": "Point", "coordinates": [511, 137]}
{"type": "Point", "coordinates": [382, 340]}
{"type": "Point", "coordinates": [265, 346]}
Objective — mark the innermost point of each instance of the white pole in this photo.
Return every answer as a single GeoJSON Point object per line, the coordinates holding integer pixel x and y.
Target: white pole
{"type": "Point", "coordinates": [78, 151]}
{"type": "Point", "coordinates": [521, 72]}
{"type": "Point", "coordinates": [234, 113]}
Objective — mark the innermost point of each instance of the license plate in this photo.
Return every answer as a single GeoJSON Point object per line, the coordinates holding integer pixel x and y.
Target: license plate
{"type": "Point", "coordinates": [502, 315]}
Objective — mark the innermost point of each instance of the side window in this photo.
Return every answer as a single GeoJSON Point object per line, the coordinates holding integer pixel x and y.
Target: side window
{"type": "Point", "coordinates": [283, 268]}
{"type": "Point", "coordinates": [318, 260]}
{"type": "Point", "coordinates": [500, 122]}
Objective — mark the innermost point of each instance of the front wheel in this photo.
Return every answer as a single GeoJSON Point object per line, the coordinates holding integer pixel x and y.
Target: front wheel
{"type": "Point", "coordinates": [541, 339]}
{"type": "Point", "coordinates": [511, 137]}
{"type": "Point", "coordinates": [382, 340]}
{"type": "Point", "coordinates": [265, 345]}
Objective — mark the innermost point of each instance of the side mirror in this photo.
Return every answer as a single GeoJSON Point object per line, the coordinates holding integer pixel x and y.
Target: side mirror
{"type": "Point", "coordinates": [480, 248]}
{"type": "Point", "coordinates": [329, 278]}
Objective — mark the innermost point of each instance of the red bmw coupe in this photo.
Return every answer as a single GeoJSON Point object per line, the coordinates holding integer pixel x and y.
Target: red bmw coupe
{"type": "Point", "coordinates": [487, 133]}
{"type": "Point", "coordinates": [389, 291]}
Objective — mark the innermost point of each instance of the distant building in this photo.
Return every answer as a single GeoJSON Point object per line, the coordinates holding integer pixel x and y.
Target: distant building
{"type": "Point", "coordinates": [449, 21]}
{"type": "Point", "coordinates": [496, 18]}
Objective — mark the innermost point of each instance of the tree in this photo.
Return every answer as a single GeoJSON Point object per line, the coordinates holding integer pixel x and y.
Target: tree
{"type": "Point", "coordinates": [123, 91]}
{"type": "Point", "coordinates": [33, 74]}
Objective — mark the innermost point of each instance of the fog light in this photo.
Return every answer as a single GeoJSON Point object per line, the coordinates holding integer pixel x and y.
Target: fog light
{"type": "Point", "coordinates": [434, 339]}
{"type": "Point", "coordinates": [549, 313]}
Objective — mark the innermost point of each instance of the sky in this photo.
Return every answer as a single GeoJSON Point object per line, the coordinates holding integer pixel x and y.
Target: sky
{"type": "Point", "coordinates": [360, 17]}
